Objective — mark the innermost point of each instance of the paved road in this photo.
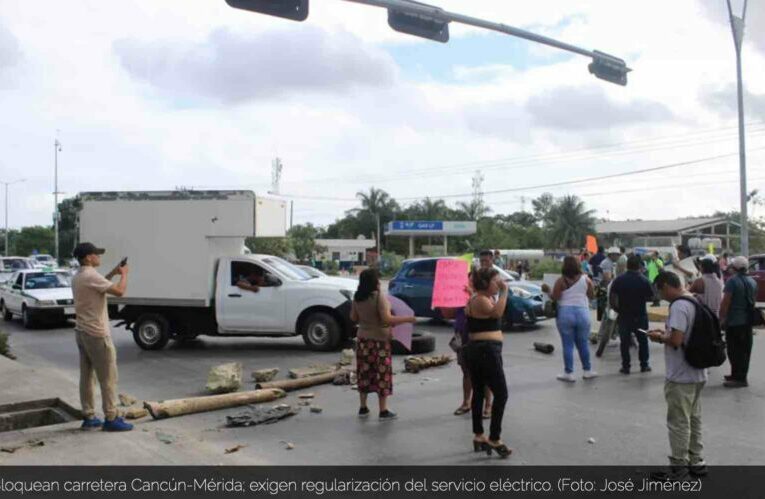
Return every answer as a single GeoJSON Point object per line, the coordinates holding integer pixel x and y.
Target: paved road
{"type": "Point", "coordinates": [547, 422]}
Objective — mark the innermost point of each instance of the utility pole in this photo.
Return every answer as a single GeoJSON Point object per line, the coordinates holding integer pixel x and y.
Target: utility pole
{"type": "Point", "coordinates": [276, 175]}
{"type": "Point", "coordinates": [6, 184]}
{"type": "Point", "coordinates": [737, 27]}
{"type": "Point", "coordinates": [478, 179]}
{"type": "Point", "coordinates": [56, 150]}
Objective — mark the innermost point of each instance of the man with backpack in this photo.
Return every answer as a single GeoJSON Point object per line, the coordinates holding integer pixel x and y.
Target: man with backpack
{"type": "Point", "coordinates": [692, 342]}
{"type": "Point", "coordinates": [737, 314]}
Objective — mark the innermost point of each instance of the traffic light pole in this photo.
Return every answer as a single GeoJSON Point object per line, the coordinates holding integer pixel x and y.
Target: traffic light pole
{"type": "Point", "coordinates": [737, 26]}
{"type": "Point", "coordinates": [439, 14]}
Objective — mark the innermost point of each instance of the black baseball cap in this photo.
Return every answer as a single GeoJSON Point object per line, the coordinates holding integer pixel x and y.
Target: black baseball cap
{"type": "Point", "coordinates": [84, 249]}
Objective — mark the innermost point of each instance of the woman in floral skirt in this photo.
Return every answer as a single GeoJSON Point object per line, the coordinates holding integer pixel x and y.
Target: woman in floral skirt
{"type": "Point", "coordinates": [374, 365]}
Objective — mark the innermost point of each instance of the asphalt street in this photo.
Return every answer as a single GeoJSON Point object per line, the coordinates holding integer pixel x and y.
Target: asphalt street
{"type": "Point", "coordinates": [614, 419]}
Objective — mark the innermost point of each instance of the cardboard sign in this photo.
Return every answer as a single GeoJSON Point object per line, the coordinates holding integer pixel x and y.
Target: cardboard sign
{"type": "Point", "coordinates": [592, 244]}
{"type": "Point", "coordinates": [450, 283]}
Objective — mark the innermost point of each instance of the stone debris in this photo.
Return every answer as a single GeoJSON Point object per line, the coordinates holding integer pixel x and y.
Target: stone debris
{"type": "Point", "coordinates": [235, 448]}
{"type": "Point", "coordinates": [591, 440]}
{"type": "Point", "coordinates": [290, 446]}
{"type": "Point", "coordinates": [136, 413]}
{"type": "Point", "coordinates": [225, 378]}
{"type": "Point", "coordinates": [544, 347]}
{"type": "Point", "coordinates": [306, 395]}
{"type": "Point", "coordinates": [343, 378]}
{"type": "Point", "coordinates": [257, 415]}
{"type": "Point", "coordinates": [165, 438]}
{"type": "Point", "coordinates": [415, 364]}
{"type": "Point", "coordinates": [304, 403]}
{"type": "Point", "coordinates": [313, 370]}
{"type": "Point", "coordinates": [264, 375]}
{"type": "Point", "coordinates": [127, 400]}
{"type": "Point", "coordinates": [316, 410]}
{"type": "Point", "coordinates": [346, 357]}
{"type": "Point", "coordinates": [29, 444]}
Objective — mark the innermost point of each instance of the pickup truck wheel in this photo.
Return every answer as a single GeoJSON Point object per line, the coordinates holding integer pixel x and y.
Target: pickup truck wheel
{"type": "Point", "coordinates": [26, 319]}
{"type": "Point", "coordinates": [7, 315]}
{"type": "Point", "coordinates": [151, 332]}
{"type": "Point", "coordinates": [321, 332]}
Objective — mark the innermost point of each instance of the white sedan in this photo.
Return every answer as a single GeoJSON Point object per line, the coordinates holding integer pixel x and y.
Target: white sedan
{"type": "Point", "coordinates": [37, 296]}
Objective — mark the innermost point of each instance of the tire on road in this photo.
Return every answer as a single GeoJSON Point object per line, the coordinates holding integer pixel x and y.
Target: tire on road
{"type": "Point", "coordinates": [26, 318]}
{"type": "Point", "coordinates": [321, 332]}
{"type": "Point", "coordinates": [421, 343]}
{"type": "Point", "coordinates": [7, 315]}
{"type": "Point", "coordinates": [151, 331]}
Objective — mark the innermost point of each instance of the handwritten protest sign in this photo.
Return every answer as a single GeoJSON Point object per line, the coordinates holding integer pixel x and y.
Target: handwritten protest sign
{"type": "Point", "coordinates": [449, 286]}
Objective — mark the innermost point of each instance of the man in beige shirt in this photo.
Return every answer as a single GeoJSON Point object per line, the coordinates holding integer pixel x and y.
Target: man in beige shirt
{"type": "Point", "coordinates": [98, 358]}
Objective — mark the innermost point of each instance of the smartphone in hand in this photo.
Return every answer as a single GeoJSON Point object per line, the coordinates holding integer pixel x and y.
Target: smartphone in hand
{"type": "Point", "coordinates": [123, 262]}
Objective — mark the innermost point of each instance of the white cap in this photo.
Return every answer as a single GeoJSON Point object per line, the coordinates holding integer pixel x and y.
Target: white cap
{"type": "Point", "coordinates": [710, 257]}
{"type": "Point", "coordinates": [740, 263]}
{"type": "Point", "coordinates": [613, 250]}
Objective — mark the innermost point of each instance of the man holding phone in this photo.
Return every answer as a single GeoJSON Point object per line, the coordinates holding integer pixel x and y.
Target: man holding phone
{"type": "Point", "coordinates": [98, 357]}
{"type": "Point", "coordinates": [628, 297]}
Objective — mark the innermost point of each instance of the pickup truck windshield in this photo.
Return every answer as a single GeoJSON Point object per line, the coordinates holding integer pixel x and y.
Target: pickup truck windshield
{"type": "Point", "coordinates": [47, 280]}
{"type": "Point", "coordinates": [287, 269]}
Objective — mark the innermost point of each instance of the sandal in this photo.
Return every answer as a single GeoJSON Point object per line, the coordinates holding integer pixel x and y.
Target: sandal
{"type": "Point", "coordinates": [461, 410]}
{"type": "Point", "coordinates": [487, 414]}
{"type": "Point", "coordinates": [479, 445]}
{"type": "Point", "coordinates": [502, 450]}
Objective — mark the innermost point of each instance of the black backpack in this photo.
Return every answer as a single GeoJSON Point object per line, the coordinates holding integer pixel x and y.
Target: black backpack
{"type": "Point", "coordinates": [705, 347]}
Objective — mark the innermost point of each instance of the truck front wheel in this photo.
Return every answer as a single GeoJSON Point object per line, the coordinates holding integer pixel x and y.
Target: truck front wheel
{"type": "Point", "coordinates": [151, 331]}
{"type": "Point", "coordinates": [321, 332]}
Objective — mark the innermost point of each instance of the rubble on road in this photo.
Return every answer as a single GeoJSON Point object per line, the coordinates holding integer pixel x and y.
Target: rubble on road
{"type": "Point", "coordinates": [136, 412]}
{"type": "Point", "coordinates": [415, 364]}
{"type": "Point", "coordinates": [344, 378]}
{"type": "Point", "coordinates": [235, 448]}
{"type": "Point", "coordinates": [316, 410]}
{"type": "Point", "coordinates": [346, 357]}
{"type": "Point", "coordinates": [257, 415]}
{"type": "Point", "coordinates": [127, 400]}
{"type": "Point", "coordinates": [306, 395]}
{"type": "Point", "coordinates": [290, 446]}
{"type": "Point", "coordinates": [28, 444]}
{"type": "Point", "coordinates": [544, 347]}
{"type": "Point", "coordinates": [165, 438]}
{"type": "Point", "coordinates": [193, 405]}
{"type": "Point", "coordinates": [225, 378]}
{"type": "Point", "coordinates": [263, 375]}
{"type": "Point", "coordinates": [296, 384]}
{"type": "Point", "coordinates": [312, 370]}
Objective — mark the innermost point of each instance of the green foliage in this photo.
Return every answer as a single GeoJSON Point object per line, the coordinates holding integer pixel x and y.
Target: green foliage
{"type": "Point", "coordinates": [277, 246]}
{"type": "Point", "coordinates": [568, 222]}
{"type": "Point", "coordinates": [390, 264]}
{"type": "Point", "coordinates": [302, 241]}
{"type": "Point", "coordinates": [331, 267]}
{"type": "Point", "coordinates": [546, 266]}
{"type": "Point", "coordinates": [33, 238]}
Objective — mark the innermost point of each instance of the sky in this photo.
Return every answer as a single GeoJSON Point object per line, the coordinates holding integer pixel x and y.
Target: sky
{"type": "Point", "coordinates": [147, 95]}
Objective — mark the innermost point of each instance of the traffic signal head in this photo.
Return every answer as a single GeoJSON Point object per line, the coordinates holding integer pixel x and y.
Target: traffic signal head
{"type": "Point", "coordinates": [609, 68]}
{"type": "Point", "coordinates": [423, 27]}
{"type": "Point", "coordinates": [297, 10]}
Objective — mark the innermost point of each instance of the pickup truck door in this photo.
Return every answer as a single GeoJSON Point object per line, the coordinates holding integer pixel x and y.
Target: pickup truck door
{"type": "Point", "coordinates": [246, 311]}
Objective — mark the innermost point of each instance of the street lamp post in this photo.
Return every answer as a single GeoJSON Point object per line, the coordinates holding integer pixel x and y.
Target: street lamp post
{"type": "Point", "coordinates": [737, 27]}
{"type": "Point", "coordinates": [56, 150]}
{"type": "Point", "coordinates": [6, 184]}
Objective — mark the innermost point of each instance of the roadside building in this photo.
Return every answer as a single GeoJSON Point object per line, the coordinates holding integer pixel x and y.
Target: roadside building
{"type": "Point", "coordinates": [346, 252]}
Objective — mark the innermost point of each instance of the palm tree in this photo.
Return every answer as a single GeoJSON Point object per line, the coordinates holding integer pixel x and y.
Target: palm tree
{"type": "Point", "coordinates": [474, 210]}
{"type": "Point", "coordinates": [570, 222]}
{"type": "Point", "coordinates": [378, 205]}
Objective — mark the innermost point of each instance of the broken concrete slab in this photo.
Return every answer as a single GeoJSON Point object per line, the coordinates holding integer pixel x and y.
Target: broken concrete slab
{"type": "Point", "coordinates": [127, 400]}
{"type": "Point", "coordinates": [225, 378]}
{"type": "Point", "coordinates": [313, 370]}
{"type": "Point", "coordinates": [346, 357]}
{"type": "Point", "coordinates": [264, 375]}
{"type": "Point", "coordinates": [306, 395]}
{"type": "Point", "coordinates": [316, 410]}
{"type": "Point", "coordinates": [258, 415]}
{"type": "Point", "coordinates": [136, 412]}
{"type": "Point", "coordinates": [296, 384]}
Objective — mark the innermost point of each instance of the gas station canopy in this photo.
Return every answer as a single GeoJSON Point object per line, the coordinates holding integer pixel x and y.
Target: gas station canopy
{"type": "Point", "coordinates": [430, 228]}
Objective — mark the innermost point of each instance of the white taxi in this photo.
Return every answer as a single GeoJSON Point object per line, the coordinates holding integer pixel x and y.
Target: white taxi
{"type": "Point", "coordinates": [37, 296]}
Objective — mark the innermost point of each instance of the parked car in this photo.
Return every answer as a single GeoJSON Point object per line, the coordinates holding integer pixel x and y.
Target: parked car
{"type": "Point", "coordinates": [43, 261]}
{"type": "Point", "coordinates": [9, 265]}
{"type": "Point", "coordinates": [37, 296]}
{"type": "Point", "coordinates": [757, 272]}
{"type": "Point", "coordinates": [414, 285]}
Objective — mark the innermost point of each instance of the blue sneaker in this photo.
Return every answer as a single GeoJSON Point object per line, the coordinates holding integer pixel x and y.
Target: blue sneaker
{"type": "Point", "coordinates": [89, 424]}
{"type": "Point", "coordinates": [117, 424]}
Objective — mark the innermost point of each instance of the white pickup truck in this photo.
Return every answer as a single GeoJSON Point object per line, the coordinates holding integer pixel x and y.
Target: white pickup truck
{"type": "Point", "coordinates": [37, 296]}
{"type": "Point", "coordinates": [185, 254]}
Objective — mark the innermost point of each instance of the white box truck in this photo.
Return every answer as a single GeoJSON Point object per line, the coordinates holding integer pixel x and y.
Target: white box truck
{"type": "Point", "coordinates": [186, 252]}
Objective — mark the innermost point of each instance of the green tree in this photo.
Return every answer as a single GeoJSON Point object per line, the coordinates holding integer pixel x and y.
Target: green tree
{"type": "Point", "coordinates": [33, 238]}
{"type": "Point", "coordinates": [302, 240]}
{"type": "Point", "coordinates": [473, 210]}
{"type": "Point", "coordinates": [569, 222]}
{"type": "Point", "coordinates": [68, 235]}
{"type": "Point", "coordinates": [542, 207]}
{"type": "Point", "coordinates": [276, 246]}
